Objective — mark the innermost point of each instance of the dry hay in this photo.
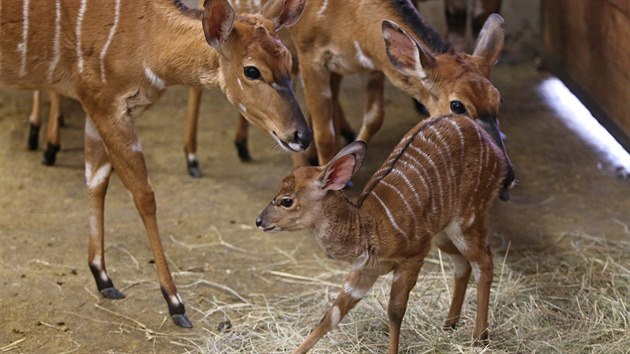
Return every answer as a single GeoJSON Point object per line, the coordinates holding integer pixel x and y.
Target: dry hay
{"type": "Point", "coordinates": [571, 297]}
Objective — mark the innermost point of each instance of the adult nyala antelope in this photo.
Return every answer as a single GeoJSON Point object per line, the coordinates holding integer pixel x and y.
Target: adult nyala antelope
{"type": "Point", "coordinates": [413, 59]}
{"type": "Point", "coordinates": [116, 57]}
{"type": "Point", "coordinates": [437, 185]}
{"type": "Point", "coordinates": [329, 43]}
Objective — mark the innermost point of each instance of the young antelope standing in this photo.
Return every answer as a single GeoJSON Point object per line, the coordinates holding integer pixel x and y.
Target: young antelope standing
{"type": "Point", "coordinates": [437, 185]}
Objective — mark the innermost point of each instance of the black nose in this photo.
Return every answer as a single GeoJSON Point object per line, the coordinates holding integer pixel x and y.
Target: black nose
{"type": "Point", "coordinates": [303, 138]}
{"type": "Point", "coordinates": [258, 222]}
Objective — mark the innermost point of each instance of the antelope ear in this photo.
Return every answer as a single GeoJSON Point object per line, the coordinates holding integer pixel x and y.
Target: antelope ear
{"type": "Point", "coordinates": [283, 13]}
{"type": "Point", "coordinates": [217, 20]}
{"type": "Point", "coordinates": [405, 54]}
{"type": "Point", "coordinates": [338, 172]}
{"type": "Point", "coordinates": [490, 42]}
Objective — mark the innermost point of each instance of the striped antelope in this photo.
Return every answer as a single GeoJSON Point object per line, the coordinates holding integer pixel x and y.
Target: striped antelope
{"type": "Point", "coordinates": [116, 57]}
{"type": "Point", "coordinates": [449, 83]}
{"type": "Point", "coordinates": [269, 8]}
{"type": "Point", "coordinates": [437, 185]}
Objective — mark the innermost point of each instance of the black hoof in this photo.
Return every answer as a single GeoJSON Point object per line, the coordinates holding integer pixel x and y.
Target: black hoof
{"type": "Point", "coordinates": [112, 293]}
{"type": "Point", "coordinates": [50, 155]}
{"type": "Point", "coordinates": [243, 151]}
{"type": "Point", "coordinates": [482, 341]}
{"type": "Point", "coordinates": [33, 137]}
{"type": "Point", "coordinates": [449, 326]}
{"type": "Point", "coordinates": [182, 321]}
{"type": "Point", "coordinates": [349, 135]}
{"type": "Point", "coordinates": [504, 195]}
{"type": "Point", "coordinates": [421, 108]}
{"type": "Point", "coordinates": [193, 169]}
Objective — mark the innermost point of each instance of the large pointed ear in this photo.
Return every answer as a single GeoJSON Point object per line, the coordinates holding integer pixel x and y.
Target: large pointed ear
{"type": "Point", "coordinates": [217, 20]}
{"type": "Point", "coordinates": [338, 171]}
{"type": "Point", "coordinates": [283, 13]}
{"type": "Point", "coordinates": [405, 54]}
{"type": "Point", "coordinates": [490, 42]}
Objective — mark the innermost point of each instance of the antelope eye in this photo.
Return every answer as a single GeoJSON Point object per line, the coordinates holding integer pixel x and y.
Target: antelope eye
{"type": "Point", "coordinates": [252, 72]}
{"type": "Point", "coordinates": [286, 202]}
{"type": "Point", "coordinates": [457, 107]}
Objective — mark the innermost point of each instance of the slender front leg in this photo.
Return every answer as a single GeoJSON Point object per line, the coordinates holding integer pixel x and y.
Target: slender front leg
{"type": "Point", "coordinates": [374, 106]}
{"type": "Point", "coordinates": [97, 172]}
{"type": "Point", "coordinates": [355, 287]}
{"type": "Point", "coordinates": [338, 115]}
{"type": "Point", "coordinates": [405, 277]}
{"type": "Point", "coordinates": [190, 135]}
{"type": "Point", "coordinates": [53, 134]}
{"type": "Point", "coordinates": [318, 95]}
{"type": "Point", "coordinates": [35, 122]}
{"type": "Point", "coordinates": [240, 139]}
{"type": "Point", "coordinates": [125, 154]}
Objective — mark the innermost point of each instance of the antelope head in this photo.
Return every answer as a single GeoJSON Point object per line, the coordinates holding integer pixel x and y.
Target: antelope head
{"type": "Point", "coordinates": [299, 203]}
{"type": "Point", "coordinates": [457, 83]}
{"type": "Point", "coordinates": [255, 68]}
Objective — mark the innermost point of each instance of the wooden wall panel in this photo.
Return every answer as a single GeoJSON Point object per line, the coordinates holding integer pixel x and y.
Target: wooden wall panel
{"type": "Point", "coordinates": [589, 41]}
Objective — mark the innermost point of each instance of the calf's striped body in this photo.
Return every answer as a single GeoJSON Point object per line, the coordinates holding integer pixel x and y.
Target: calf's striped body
{"type": "Point", "coordinates": [436, 186]}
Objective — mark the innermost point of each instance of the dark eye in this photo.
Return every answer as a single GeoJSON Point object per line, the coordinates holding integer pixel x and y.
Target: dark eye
{"type": "Point", "coordinates": [286, 202]}
{"type": "Point", "coordinates": [457, 107]}
{"type": "Point", "coordinates": [252, 72]}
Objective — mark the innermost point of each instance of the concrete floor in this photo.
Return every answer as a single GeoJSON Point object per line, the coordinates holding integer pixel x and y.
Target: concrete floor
{"type": "Point", "coordinates": [47, 296]}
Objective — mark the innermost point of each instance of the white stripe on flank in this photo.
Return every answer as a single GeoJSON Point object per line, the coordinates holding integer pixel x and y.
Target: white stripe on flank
{"type": "Point", "coordinates": [362, 58]}
{"type": "Point", "coordinates": [78, 34]}
{"type": "Point", "coordinates": [22, 47]}
{"type": "Point", "coordinates": [427, 187]}
{"type": "Point", "coordinates": [461, 136]}
{"type": "Point", "coordinates": [438, 177]}
{"type": "Point", "coordinates": [451, 173]}
{"type": "Point", "coordinates": [409, 185]}
{"type": "Point", "coordinates": [56, 41]}
{"type": "Point", "coordinates": [153, 78]}
{"type": "Point", "coordinates": [389, 214]}
{"type": "Point", "coordinates": [112, 31]}
{"type": "Point", "coordinates": [320, 13]}
{"type": "Point", "coordinates": [404, 200]}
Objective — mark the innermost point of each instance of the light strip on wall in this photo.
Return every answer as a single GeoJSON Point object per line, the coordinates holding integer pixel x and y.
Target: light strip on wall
{"type": "Point", "coordinates": [578, 118]}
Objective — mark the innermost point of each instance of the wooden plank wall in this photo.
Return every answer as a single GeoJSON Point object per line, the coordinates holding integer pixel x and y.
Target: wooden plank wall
{"type": "Point", "coordinates": [588, 41]}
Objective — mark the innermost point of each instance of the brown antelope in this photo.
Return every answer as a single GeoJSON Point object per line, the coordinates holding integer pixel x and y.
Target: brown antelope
{"type": "Point", "coordinates": [328, 42]}
{"type": "Point", "coordinates": [53, 139]}
{"type": "Point", "coordinates": [437, 185]}
{"type": "Point", "coordinates": [116, 57]}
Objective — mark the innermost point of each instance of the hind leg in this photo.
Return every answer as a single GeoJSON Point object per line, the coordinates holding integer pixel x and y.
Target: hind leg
{"type": "Point", "coordinates": [35, 122]}
{"type": "Point", "coordinates": [54, 120]}
{"type": "Point", "coordinates": [461, 269]}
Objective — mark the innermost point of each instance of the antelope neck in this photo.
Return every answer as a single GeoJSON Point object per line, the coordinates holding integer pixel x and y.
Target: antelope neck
{"type": "Point", "coordinates": [340, 230]}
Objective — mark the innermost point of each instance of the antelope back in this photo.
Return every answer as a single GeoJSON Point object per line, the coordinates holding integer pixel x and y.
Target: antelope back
{"type": "Point", "coordinates": [446, 168]}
